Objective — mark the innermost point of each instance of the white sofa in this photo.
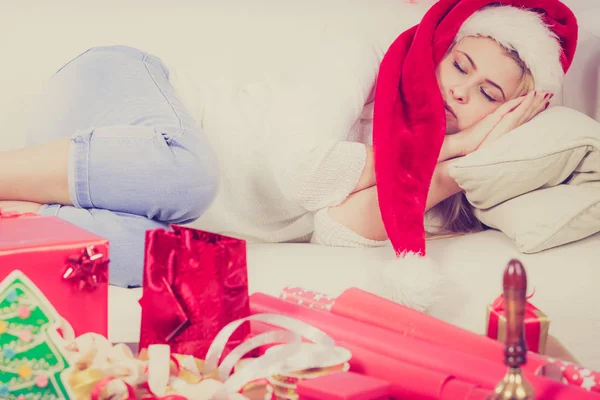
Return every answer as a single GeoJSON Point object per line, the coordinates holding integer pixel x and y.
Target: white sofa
{"type": "Point", "coordinates": [37, 37]}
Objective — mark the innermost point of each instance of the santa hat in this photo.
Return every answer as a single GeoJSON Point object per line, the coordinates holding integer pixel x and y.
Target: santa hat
{"type": "Point", "coordinates": [409, 122]}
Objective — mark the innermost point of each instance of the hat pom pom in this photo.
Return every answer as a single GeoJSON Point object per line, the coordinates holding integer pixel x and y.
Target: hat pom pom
{"type": "Point", "coordinates": [412, 280]}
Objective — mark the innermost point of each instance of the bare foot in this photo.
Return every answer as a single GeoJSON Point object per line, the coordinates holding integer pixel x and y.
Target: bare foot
{"type": "Point", "coordinates": [19, 206]}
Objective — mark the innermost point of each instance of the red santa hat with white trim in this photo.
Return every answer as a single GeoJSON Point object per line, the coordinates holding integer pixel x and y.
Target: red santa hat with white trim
{"type": "Point", "coordinates": [409, 122]}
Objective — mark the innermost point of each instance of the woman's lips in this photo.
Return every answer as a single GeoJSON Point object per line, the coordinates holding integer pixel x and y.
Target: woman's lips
{"type": "Point", "coordinates": [449, 110]}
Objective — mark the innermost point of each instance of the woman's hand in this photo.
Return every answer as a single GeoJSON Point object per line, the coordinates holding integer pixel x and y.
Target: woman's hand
{"type": "Point", "coordinates": [533, 104]}
{"type": "Point", "coordinates": [507, 117]}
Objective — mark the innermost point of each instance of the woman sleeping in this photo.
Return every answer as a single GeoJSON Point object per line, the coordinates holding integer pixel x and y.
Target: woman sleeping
{"type": "Point", "coordinates": [115, 149]}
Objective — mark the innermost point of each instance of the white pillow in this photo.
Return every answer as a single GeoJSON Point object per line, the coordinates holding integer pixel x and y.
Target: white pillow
{"type": "Point", "coordinates": [543, 153]}
{"type": "Point", "coordinates": [548, 217]}
{"type": "Point", "coordinates": [539, 184]}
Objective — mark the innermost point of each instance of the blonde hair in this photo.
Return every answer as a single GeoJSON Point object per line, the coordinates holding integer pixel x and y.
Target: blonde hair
{"type": "Point", "coordinates": [456, 212]}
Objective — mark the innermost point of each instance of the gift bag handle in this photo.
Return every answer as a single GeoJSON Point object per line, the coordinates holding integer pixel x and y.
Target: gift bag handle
{"type": "Point", "coordinates": [170, 268]}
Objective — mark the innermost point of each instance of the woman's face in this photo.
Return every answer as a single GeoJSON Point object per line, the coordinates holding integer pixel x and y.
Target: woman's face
{"type": "Point", "coordinates": [475, 78]}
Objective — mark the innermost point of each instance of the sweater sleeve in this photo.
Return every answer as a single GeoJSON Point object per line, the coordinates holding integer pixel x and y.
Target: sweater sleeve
{"type": "Point", "coordinates": [309, 122]}
{"type": "Point", "coordinates": [328, 232]}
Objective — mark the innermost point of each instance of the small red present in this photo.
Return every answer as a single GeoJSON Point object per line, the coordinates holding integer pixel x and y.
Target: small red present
{"type": "Point", "coordinates": [69, 265]}
{"type": "Point", "coordinates": [194, 284]}
{"type": "Point", "coordinates": [343, 386]}
{"type": "Point", "coordinates": [536, 325]}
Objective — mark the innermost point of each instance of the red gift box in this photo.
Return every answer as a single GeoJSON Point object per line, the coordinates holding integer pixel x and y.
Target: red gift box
{"type": "Point", "coordinates": [69, 265]}
{"type": "Point", "coordinates": [343, 386]}
{"type": "Point", "coordinates": [536, 325]}
{"type": "Point", "coordinates": [195, 283]}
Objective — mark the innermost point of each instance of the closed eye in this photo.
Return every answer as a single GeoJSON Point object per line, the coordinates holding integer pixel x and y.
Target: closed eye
{"type": "Point", "coordinates": [487, 96]}
{"type": "Point", "coordinates": [462, 71]}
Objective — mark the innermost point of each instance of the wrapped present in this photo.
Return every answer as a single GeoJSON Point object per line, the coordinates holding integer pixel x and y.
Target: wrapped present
{"type": "Point", "coordinates": [307, 298]}
{"type": "Point", "coordinates": [42, 358]}
{"type": "Point", "coordinates": [365, 307]}
{"type": "Point", "coordinates": [194, 284]}
{"type": "Point", "coordinates": [344, 386]}
{"type": "Point", "coordinates": [358, 305]}
{"type": "Point", "coordinates": [380, 344]}
{"type": "Point", "coordinates": [68, 264]}
{"type": "Point", "coordinates": [574, 374]}
{"type": "Point", "coordinates": [101, 370]}
{"type": "Point", "coordinates": [536, 325]}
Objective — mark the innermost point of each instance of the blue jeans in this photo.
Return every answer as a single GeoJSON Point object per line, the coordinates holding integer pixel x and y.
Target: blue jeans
{"type": "Point", "coordinates": [137, 159]}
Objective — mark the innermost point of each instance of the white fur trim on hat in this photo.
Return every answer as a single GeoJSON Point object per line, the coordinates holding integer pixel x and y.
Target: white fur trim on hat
{"type": "Point", "coordinates": [412, 280]}
{"type": "Point", "coordinates": [525, 32]}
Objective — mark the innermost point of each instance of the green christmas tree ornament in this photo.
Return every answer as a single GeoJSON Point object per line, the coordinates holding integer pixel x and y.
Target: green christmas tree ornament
{"type": "Point", "coordinates": [31, 359]}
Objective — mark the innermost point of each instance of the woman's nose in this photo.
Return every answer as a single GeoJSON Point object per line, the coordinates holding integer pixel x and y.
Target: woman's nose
{"type": "Point", "coordinates": [459, 94]}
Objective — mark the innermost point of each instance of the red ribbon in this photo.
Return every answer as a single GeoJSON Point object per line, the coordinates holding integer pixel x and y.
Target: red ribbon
{"type": "Point", "coordinates": [533, 326]}
{"type": "Point", "coordinates": [87, 270]}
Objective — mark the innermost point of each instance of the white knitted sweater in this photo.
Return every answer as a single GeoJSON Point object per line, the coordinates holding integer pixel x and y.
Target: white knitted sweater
{"type": "Point", "coordinates": [273, 187]}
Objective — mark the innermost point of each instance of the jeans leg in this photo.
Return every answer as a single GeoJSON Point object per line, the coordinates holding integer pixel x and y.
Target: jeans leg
{"type": "Point", "coordinates": [125, 232]}
{"type": "Point", "coordinates": [135, 149]}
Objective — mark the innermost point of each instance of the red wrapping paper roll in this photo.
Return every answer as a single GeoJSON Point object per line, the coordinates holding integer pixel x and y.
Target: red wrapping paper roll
{"type": "Point", "coordinates": [407, 381]}
{"type": "Point", "coordinates": [365, 307]}
{"type": "Point", "coordinates": [465, 367]}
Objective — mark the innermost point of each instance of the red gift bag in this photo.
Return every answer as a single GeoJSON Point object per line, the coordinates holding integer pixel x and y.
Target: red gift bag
{"type": "Point", "coordinates": [194, 284]}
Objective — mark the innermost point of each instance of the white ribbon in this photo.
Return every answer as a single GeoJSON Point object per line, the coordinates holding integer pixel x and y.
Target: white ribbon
{"type": "Point", "coordinates": [159, 368]}
{"type": "Point", "coordinates": [291, 354]}
{"type": "Point", "coordinates": [270, 363]}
